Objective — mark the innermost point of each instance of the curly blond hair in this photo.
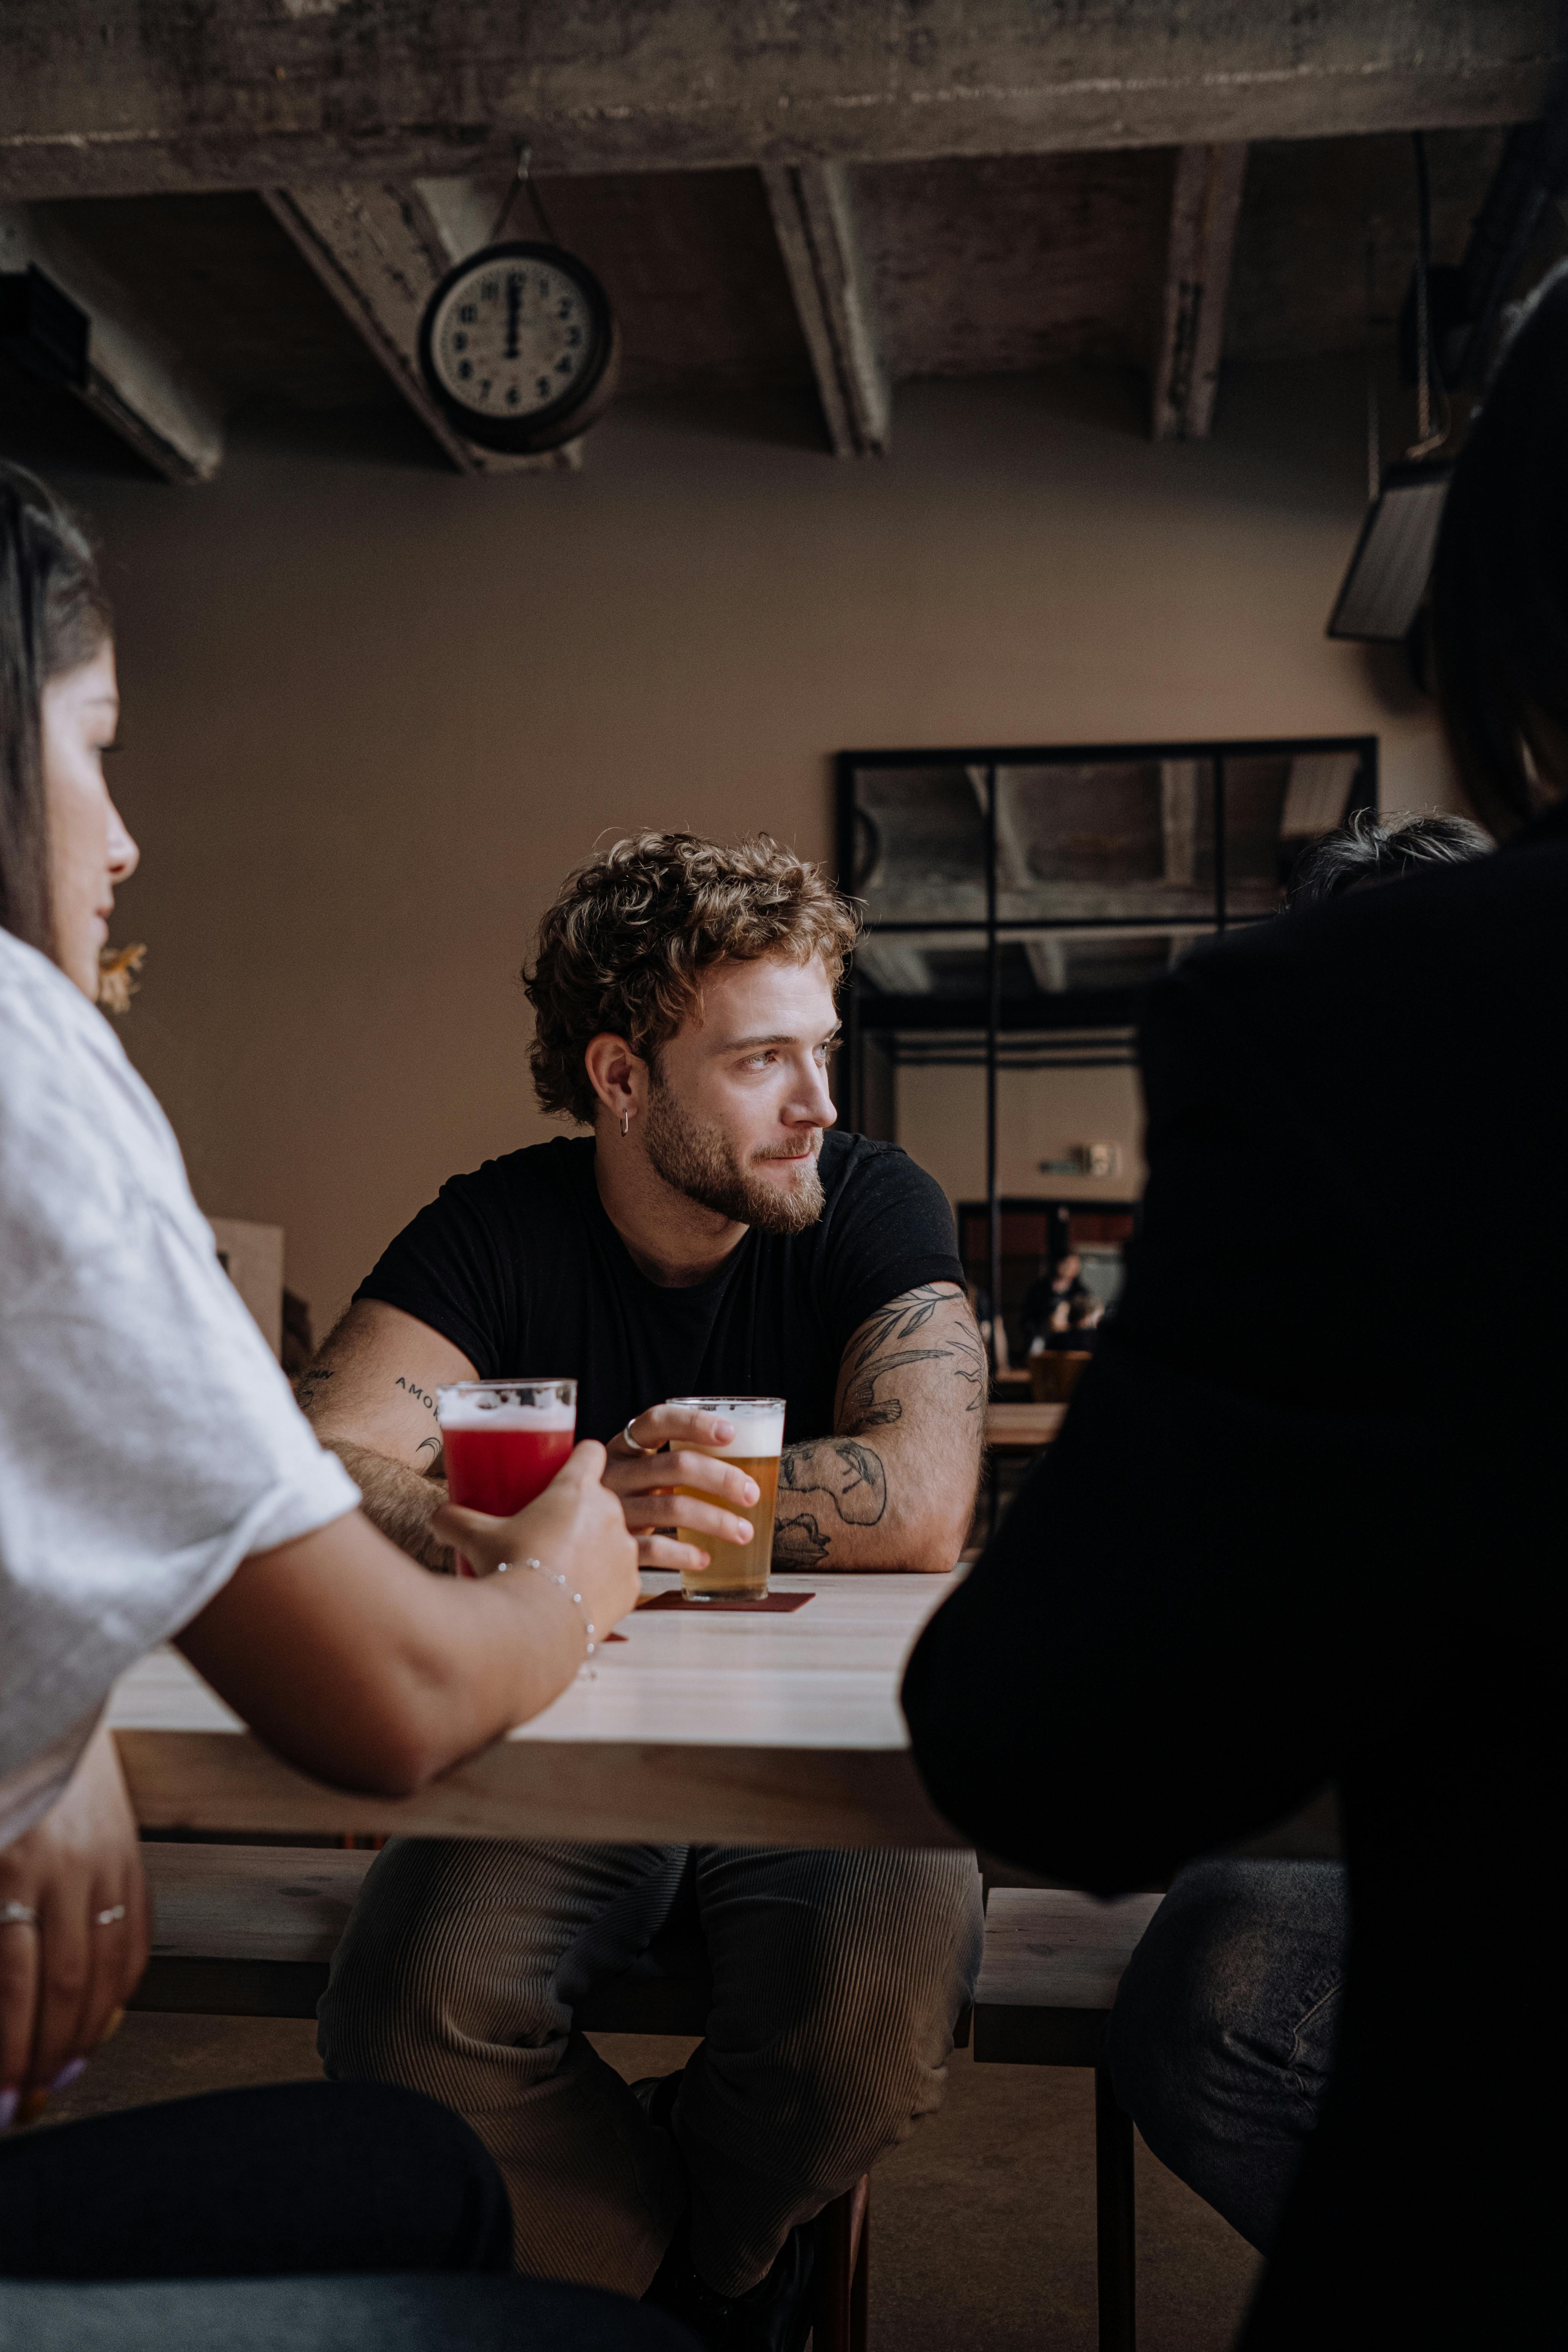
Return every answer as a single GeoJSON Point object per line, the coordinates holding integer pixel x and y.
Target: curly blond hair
{"type": "Point", "coordinates": [623, 947]}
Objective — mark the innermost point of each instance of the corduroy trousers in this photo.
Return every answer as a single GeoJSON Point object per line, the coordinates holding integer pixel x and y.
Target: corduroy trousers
{"type": "Point", "coordinates": [838, 1979]}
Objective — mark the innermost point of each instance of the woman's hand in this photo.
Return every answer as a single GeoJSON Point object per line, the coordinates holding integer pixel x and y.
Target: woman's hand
{"type": "Point", "coordinates": [576, 1529]}
{"type": "Point", "coordinates": [643, 1482]}
{"type": "Point", "coordinates": [65, 1973]}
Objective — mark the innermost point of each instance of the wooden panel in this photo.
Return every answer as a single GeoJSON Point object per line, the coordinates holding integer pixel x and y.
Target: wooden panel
{"type": "Point", "coordinates": [1022, 1428]}
{"type": "Point", "coordinates": [250, 1902]}
{"type": "Point", "coordinates": [610, 1791]}
{"type": "Point", "coordinates": [1048, 1949]}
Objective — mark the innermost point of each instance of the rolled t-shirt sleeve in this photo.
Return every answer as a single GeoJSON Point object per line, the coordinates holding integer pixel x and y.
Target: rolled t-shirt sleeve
{"type": "Point", "coordinates": [150, 1440]}
{"type": "Point", "coordinates": [890, 1231]}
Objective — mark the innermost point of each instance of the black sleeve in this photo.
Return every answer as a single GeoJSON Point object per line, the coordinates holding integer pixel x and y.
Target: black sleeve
{"type": "Point", "coordinates": [447, 1269]}
{"type": "Point", "coordinates": [891, 1229]}
{"type": "Point", "coordinates": [1149, 1660]}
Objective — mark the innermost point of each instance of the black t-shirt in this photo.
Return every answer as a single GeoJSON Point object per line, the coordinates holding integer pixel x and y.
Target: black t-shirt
{"type": "Point", "coordinates": [518, 1266]}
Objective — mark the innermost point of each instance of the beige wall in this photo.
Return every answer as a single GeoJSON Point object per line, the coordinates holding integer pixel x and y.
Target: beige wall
{"type": "Point", "coordinates": [373, 712]}
{"type": "Point", "coordinates": [1040, 1115]}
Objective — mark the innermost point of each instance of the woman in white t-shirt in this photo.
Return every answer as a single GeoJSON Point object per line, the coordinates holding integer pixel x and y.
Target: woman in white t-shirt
{"type": "Point", "coordinates": [157, 1483]}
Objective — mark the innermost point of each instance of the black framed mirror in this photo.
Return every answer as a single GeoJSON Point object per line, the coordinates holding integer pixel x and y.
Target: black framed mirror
{"type": "Point", "coordinates": [1017, 901]}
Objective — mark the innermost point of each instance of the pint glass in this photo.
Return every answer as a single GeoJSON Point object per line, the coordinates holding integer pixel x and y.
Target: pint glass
{"type": "Point", "coordinates": [737, 1571]}
{"type": "Point", "coordinates": [504, 1441]}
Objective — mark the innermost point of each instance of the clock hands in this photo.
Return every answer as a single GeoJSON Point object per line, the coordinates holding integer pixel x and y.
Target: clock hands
{"type": "Point", "coordinates": [513, 311]}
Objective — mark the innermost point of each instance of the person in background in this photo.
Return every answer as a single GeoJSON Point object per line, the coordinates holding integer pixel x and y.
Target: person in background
{"type": "Point", "coordinates": [1053, 1292]}
{"type": "Point", "coordinates": [1221, 2045]}
{"type": "Point", "coordinates": [1073, 1321]}
{"type": "Point", "coordinates": [1366, 850]}
{"type": "Point", "coordinates": [1258, 1561]}
{"type": "Point", "coordinates": [712, 1234]}
{"type": "Point", "coordinates": [160, 1484]}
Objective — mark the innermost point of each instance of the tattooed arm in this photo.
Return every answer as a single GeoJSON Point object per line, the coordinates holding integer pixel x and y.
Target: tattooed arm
{"type": "Point", "coordinates": [894, 1487]}
{"type": "Point", "coordinates": [371, 1396]}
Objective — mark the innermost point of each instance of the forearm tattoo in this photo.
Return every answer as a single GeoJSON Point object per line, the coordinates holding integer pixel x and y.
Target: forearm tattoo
{"type": "Point", "coordinates": [845, 1478]}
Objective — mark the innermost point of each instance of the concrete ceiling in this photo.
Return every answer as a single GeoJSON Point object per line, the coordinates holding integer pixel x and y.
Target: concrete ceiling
{"type": "Point", "coordinates": [1019, 189]}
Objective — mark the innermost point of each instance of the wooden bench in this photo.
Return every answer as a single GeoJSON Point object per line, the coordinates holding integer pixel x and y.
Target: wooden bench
{"type": "Point", "coordinates": [249, 1931]}
{"type": "Point", "coordinates": [1053, 1961]}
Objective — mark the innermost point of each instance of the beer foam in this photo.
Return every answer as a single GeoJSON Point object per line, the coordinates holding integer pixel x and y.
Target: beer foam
{"type": "Point", "coordinates": [758, 1426]}
{"type": "Point", "coordinates": [500, 1412]}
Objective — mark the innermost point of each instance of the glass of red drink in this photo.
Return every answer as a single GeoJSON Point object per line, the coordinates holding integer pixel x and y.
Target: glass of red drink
{"type": "Point", "coordinates": [504, 1441]}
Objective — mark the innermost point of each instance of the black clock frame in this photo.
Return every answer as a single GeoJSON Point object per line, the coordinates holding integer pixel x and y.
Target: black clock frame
{"type": "Point", "coordinates": [579, 404]}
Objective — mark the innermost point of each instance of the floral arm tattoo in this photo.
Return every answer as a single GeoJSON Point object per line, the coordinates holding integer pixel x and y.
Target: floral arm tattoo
{"type": "Point", "coordinates": [847, 1478]}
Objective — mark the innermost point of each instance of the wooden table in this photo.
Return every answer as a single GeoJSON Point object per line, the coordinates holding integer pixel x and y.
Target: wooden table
{"type": "Point", "coordinates": [774, 1731]}
{"type": "Point", "coordinates": [1022, 1428]}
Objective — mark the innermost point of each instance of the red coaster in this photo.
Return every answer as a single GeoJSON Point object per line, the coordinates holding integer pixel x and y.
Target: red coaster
{"type": "Point", "coordinates": [771, 1604]}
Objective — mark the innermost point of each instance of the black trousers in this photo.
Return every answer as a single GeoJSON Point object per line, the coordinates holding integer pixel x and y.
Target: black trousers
{"type": "Point", "coordinates": [271, 2192]}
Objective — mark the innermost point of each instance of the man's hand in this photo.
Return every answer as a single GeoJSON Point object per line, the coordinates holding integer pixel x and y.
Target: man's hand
{"type": "Point", "coordinates": [644, 1485]}
{"type": "Point", "coordinates": [575, 1528]}
{"type": "Point", "coordinates": [65, 1975]}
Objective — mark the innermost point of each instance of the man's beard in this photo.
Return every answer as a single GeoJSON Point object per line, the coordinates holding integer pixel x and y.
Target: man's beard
{"type": "Point", "coordinates": [698, 1160]}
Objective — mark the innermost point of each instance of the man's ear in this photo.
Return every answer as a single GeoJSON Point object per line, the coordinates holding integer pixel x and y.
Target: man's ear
{"type": "Point", "coordinates": [618, 1076]}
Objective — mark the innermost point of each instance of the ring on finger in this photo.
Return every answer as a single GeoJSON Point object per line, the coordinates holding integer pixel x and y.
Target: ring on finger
{"type": "Point", "coordinates": [110, 1918]}
{"type": "Point", "coordinates": [631, 1441]}
{"type": "Point", "coordinates": [17, 1915]}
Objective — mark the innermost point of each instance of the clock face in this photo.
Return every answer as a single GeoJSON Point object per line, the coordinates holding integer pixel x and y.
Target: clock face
{"type": "Point", "coordinates": [516, 332]}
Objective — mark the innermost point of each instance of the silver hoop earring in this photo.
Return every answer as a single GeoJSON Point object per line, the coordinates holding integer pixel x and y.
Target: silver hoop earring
{"type": "Point", "coordinates": [625, 1122]}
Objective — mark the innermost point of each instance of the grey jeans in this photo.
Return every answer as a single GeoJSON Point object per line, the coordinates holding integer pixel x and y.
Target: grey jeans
{"type": "Point", "coordinates": [1222, 2040]}
{"type": "Point", "coordinates": [837, 1979]}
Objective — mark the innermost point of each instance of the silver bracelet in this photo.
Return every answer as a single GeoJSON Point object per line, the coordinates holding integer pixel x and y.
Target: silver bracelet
{"type": "Point", "coordinates": [564, 1583]}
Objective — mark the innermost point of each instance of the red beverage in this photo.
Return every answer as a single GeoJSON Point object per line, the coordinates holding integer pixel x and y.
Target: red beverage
{"type": "Point", "coordinates": [501, 1470]}
{"type": "Point", "coordinates": [504, 1442]}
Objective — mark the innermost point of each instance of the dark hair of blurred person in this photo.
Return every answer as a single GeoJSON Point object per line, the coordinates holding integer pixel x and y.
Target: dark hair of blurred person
{"type": "Point", "coordinates": [1367, 850]}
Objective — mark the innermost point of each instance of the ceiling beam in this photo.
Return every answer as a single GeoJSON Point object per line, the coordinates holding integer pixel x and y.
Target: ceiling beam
{"type": "Point", "coordinates": [380, 252]}
{"type": "Point", "coordinates": [1205, 205]}
{"type": "Point", "coordinates": [114, 97]}
{"type": "Point", "coordinates": [814, 219]}
{"type": "Point", "coordinates": [135, 382]}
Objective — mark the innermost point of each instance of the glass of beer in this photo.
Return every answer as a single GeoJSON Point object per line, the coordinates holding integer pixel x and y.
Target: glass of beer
{"type": "Point", "coordinates": [504, 1441]}
{"type": "Point", "coordinates": [737, 1571]}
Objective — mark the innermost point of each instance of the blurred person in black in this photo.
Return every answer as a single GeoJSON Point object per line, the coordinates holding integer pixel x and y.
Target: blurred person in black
{"type": "Point", "coordinates": [1057, 1287]}
{"type": "Point", "coordinates": [1222, 2042]}
{"type": "Point", "coordinates": [1256, 1561]}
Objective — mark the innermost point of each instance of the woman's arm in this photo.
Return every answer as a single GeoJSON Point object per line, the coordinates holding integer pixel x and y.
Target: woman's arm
{"type": "Point", "coordinates": [372, 1674]}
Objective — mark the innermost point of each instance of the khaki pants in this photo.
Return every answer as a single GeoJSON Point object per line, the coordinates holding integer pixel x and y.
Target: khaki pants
{"type": "Point", "coordinates": [838, 1979]}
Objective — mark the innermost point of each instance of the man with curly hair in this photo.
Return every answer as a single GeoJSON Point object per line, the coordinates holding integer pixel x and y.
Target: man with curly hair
{"type": "Point", "coordinates": [712, 1235]}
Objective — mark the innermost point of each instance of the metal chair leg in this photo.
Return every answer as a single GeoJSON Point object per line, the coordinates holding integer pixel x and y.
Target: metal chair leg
{"type": "Point", "coordinates": [843, 2267]}
{"type": "Point", "coordinates": [1113, 2219]}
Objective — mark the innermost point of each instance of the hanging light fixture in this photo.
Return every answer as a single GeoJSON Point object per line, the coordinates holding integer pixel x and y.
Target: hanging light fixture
{"type": "Point", "coordinates": [1392, 559]}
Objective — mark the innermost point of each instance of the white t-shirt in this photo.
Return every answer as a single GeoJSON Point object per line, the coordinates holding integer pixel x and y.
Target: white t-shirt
{"type": "Point", "coordinates": [147, 1438]}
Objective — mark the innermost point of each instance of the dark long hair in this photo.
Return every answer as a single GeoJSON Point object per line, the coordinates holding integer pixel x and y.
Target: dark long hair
{"type": "Point", "coordinates": [1500, 587]}
{"type": "Point", "coordinates": [53, 618]}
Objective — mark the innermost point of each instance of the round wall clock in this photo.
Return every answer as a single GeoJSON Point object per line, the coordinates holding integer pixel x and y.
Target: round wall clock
{"type": "Point", "coordinates": [520, 347]}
